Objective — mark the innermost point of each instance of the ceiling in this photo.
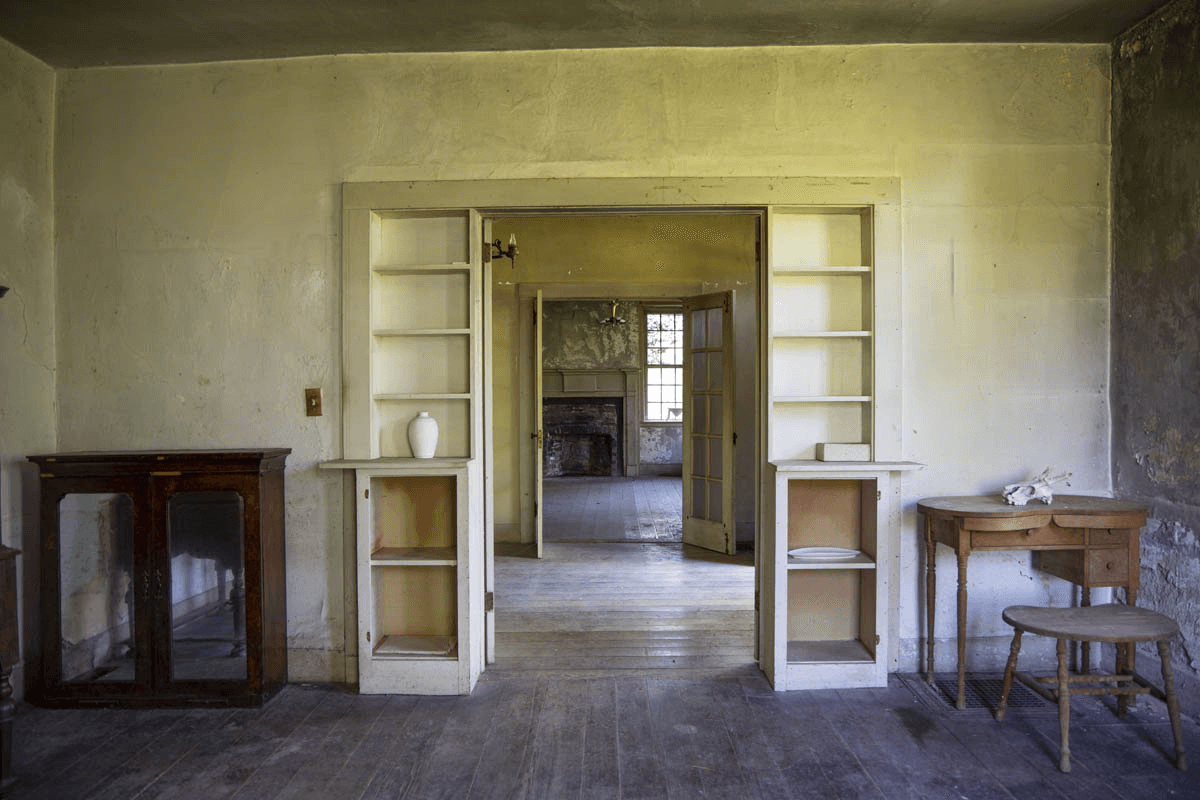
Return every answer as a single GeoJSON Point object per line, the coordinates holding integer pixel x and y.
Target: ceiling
{"type": "Point", "coordinates": [84, 33]}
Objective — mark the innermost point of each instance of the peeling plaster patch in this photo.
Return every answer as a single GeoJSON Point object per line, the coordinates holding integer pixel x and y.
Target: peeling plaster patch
{"type": "Point", "coordinates": [1170, 575]}
{"type": "Point", "coordinates": [661, 444]}
{"type": "Point", "coordinates": [17, 203]}
{"type": "Point", "coordinates": [1171, 460]}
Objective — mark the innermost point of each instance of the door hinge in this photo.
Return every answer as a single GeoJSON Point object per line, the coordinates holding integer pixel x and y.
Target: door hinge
{"type": "Point", "coordinates": [368, 637]}
{"type": "Point", "coordinates": [878, 496]}
{"type": "Point", "coordinates": [540, 437]}
{"type": "Point", "coordinates": [487, 253]}
{"type": "Point", "coordinates": [735, 438]}
{"type": "Point", "coordinates": [756, 599]}
{"type": "Point", "coordinates": [535, 508]}
{"type": "Point", "coordinates": [489, 601]}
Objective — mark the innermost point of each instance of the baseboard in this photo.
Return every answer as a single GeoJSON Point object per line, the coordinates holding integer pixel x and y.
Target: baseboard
{"type": "Point", "coordinates": [661, 470]}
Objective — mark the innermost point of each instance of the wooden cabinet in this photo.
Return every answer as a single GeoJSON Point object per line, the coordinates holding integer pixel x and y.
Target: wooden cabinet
{"type": "Point", "coordinates": [828, 574]}
{"type": "Point", "coordinates": [420, 595]}
{"type": "Point", "coordinates": [162, 578]}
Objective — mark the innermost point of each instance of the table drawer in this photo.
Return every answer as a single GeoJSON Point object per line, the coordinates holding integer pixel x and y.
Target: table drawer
{"type": "Point", "coordinates": [1046, 536]}
{"type": "Point", "coordinates": [1111, 538]}
{"type": "Point", "coordinates": [1108, 567]}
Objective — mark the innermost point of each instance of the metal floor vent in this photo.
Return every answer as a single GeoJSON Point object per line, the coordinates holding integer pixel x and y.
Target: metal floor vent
{"type": "Point", "coordinates": [982, 693]}
{"type": "Point", "coordinates": [985, 692]}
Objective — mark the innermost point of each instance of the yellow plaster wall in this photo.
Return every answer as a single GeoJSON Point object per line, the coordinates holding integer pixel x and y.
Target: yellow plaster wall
{"type": "Point", "coordinates": [197, 232]}
{"type": "Point", "coordinates": [27, 409]}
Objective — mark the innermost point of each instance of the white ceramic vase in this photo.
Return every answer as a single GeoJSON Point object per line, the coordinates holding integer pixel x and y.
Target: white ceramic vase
{"type": "Point", "coordinates": [423, 435]}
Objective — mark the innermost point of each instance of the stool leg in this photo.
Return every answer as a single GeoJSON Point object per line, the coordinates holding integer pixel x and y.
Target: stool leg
{"type": "Point", "coordinates": [1122, 669]}
{"type": "Point", "coordinates": [1064, 709]}
{"type": "Point", "coordinates": [1009, 669]}
{"type": "Point", "coordinates": [1164, 655]}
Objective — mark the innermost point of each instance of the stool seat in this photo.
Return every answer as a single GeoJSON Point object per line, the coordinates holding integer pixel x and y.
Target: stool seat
{"type": "Point", "coordinates": [1105, 623]}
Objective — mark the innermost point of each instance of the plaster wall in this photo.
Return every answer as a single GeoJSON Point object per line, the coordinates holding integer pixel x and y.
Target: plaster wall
{"type": "Point", "coordinates": [1156, 312]}
{"type": "Point", "coordinates": [197, 231]}
{"type": "Point", "coordinates": [27, 371]}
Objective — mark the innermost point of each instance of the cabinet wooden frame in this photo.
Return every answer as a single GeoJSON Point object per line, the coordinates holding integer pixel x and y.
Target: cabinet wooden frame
{"type": "Point", "coordinates": [382, 571]}
{"type": "Point", "coordinates": [150, 479]}
{"type": "Point", "coordinates": [847, 639]}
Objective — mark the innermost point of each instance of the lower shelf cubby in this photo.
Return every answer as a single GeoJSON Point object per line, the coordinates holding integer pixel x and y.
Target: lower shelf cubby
{"type": "Point", "coordinates": [831, 615]}
{"type": "Point", "coordinates": [416, 611]}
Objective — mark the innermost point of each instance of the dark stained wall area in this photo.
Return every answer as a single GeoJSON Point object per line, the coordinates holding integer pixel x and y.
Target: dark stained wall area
{"type": "Point", "coordinates": [1156, 310]}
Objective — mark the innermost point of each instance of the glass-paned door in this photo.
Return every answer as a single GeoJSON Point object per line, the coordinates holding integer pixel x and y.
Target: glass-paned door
{"type": "Point", "coordinates": [708, 423]}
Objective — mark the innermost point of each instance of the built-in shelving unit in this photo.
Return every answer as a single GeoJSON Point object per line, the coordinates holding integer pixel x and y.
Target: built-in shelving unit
{"type": "Point", "coordinates": [828, 618]}
{"type": "Point", "coordinates": [820, 329]}
{"type": "Point", "coordinates": [418, 347]}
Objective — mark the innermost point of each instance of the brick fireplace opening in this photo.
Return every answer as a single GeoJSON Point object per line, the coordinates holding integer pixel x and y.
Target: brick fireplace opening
{"type": "Point", "coordinates": [583, 436]}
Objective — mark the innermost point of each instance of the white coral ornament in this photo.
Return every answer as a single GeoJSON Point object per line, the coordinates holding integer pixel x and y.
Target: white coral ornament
{"type": "Point", "coordinates": [1039, 488]}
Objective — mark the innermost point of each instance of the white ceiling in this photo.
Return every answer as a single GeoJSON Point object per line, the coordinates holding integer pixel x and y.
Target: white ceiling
{"type": "Point", "coordinates": [80, 33]}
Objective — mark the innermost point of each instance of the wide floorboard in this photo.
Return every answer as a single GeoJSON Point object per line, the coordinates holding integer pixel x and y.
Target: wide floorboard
{"type": "Point", "coordinates": [631, 737]}
{"type": "Point", "coordinates": [596, 609]}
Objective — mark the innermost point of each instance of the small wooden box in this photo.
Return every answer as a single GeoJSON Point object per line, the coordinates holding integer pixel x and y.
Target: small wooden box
{"type": "Point", "coordinates": [829, 451]}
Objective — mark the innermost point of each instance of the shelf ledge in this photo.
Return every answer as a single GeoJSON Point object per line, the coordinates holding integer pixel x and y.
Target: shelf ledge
{"type": "Point", "coordinates": [821, 335]}
{"type": "Point", "coordinates": [407, 464]}
{"type": "Point", "coordinates": [414, 557]}
{"type": "Point", "coordinates": [819, 269]}
{"type": "Point", "coordinates": [400, 332]}
{"type": "Point", "coordinates": [845, 466]}
{"type": "Point", "coordinates": [860, 561]}
{"type": "Point", "coordinates": [821, 398]}
{"type": "Point", "coordinates": [850, 651]}
{"type": "Point", "coordinates": [428, 269]}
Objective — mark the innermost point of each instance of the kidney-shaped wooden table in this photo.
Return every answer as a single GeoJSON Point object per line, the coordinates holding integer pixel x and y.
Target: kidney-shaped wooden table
{"type": "Point", "coordinates": [1090, 541]}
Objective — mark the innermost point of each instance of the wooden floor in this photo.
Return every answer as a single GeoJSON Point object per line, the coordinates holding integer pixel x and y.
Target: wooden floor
{"type": "Point", "coordinates": [625, 672]}
{"type": "Point", "coordinates": [596, 609]}
{"type": "Point", "coordinates": [642, 509]}
{"type": "Point", "coordinates": [598, 738]}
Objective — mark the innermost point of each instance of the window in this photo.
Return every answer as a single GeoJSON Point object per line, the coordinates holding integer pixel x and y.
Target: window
{"type": "Point", "coordinates": [664, 365]}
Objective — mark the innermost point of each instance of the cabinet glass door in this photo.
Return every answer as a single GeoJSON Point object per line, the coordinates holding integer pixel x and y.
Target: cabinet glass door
{"type": "Point", "coordinates": [207, 580]}
{"type": "Point", "coordinates": [97, 587]}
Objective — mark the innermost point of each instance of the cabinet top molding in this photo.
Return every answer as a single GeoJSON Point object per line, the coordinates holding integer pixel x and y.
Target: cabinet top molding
{"type": "Point", "coordinates": [141, 461]}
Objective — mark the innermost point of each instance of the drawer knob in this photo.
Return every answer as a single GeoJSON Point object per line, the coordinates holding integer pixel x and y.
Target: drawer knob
{"type": "Point", "coordinates": [1109, 566]}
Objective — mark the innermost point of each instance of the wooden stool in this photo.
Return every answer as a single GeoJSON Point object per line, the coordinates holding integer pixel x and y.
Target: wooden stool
{"type": "Point", "coordinates": [1121, 624]}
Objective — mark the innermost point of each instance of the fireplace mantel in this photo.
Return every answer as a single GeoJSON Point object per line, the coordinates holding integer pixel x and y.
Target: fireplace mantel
{"type": "Point", "coordinates": [626, 383]}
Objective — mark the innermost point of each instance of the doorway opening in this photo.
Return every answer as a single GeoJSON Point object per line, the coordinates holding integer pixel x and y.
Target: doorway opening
{"type": "Point", "coordinates": [616, 587]}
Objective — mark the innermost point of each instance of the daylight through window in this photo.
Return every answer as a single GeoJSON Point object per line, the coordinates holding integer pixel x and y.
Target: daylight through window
{"type": "Point", "coordinates": [664, 366]}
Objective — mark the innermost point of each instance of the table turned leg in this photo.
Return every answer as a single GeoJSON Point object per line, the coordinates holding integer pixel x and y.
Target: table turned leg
{"type": "Point", "coordinates": [1168, 674]}
{"type": "Point", "coordinates": [930, 596]}
{"type": "Point", "coordinates": [1009, 669]}
{"type": "Point", "coordinates": [962, 630]}
{"type": "Point", "coordinates": [1064, 709]}
{"type": "Point", "coordinates": [1085, 648]}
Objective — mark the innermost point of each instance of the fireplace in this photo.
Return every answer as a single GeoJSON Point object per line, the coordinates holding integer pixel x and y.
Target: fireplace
{"type": "Point", "coordinates": [583, 436]}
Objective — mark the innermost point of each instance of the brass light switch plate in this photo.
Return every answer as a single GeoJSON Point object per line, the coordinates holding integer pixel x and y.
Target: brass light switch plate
{"type": "Point", "coordinates": [312, 402]}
